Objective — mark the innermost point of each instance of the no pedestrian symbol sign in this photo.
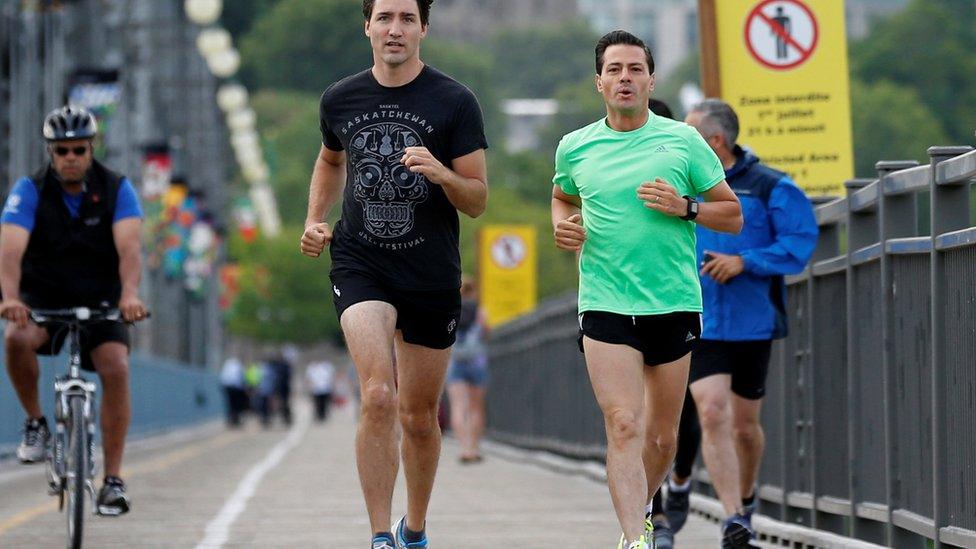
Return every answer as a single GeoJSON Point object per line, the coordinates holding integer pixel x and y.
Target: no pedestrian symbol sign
{"type": "Point", "coordinates": [781, 34]}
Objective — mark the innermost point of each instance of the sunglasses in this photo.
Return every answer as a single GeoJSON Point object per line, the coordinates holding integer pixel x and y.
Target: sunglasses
{"type": "Point", "coordinates": [63, 151]}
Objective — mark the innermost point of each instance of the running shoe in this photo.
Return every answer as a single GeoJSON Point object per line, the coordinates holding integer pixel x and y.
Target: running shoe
{"type": "Point", "coordinates": [33, 447]}
{"type": "Point", "coordinates": [676, 508]}
{"type": "Point", "coordinates": [399, 535]}
{"type": "Point", "coordinates": [648, 526]}
{"type": "Point", "coordinates": [382, 542]}
{"type": "Point", "coordinates": [662, 535]}
{"type": "Point", "coordinates": [748, 510]}
{"type": "Point", "coordinates": [640, 543]}
{"type": "Point", "coordinates": [736, 533]}
{"type": "Point", "coordinates": [112, 500]}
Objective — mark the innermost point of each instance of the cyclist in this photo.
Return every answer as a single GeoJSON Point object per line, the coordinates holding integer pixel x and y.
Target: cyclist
{"type": "Point", "coordinates": [69, 237]}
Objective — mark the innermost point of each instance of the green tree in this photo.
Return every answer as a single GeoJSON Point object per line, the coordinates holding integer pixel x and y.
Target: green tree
{"type": "Point", "coordinates": [927, 48]}
{"type": "Point", "coordinates": [285, 296]}
{"type": "Point", "coordinates": [237, 17]}
{"type": "Point", "coordinates": [878, 135]}
{"type": "Point", "coordinates": [305, 45]}
{"type": "Point", "coordinates": [536, 61]}
{"type": "Point", "coordinates": [290, 132]}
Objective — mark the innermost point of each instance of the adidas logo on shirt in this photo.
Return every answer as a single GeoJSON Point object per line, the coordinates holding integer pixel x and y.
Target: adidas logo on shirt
{"type": "Point", "coordinates": [661, 149]}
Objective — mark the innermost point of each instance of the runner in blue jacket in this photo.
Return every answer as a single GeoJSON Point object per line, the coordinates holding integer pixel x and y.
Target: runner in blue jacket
{"type": "Point", "coordinates": [744, 310]}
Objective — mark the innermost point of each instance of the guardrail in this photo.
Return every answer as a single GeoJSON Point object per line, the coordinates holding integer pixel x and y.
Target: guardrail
{"type": "Point", "coordinates": [871, 412]}
{"type": "Point", "coordinates": [165, 395]}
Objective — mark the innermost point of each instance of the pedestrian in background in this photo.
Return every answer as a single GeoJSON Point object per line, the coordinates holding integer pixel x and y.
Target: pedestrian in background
{"type": "Point", "coordinates": [320, 380]}
{"type": "Point", "coordinates": [235, 392]}
{"type": "Point", "coordinates": [467, 376]}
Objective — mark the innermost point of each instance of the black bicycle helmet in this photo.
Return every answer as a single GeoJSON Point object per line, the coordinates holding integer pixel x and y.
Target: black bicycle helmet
{"type": "Point", "coordinates": [70, 122]}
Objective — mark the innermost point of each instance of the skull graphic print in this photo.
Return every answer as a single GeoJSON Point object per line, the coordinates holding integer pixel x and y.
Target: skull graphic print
{"type": "Point", "coordinates": [388, 191]}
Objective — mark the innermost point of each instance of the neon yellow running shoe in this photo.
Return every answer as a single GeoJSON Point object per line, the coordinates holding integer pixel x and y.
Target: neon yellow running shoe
{"type": "Point", "coordinates": [641, 543]}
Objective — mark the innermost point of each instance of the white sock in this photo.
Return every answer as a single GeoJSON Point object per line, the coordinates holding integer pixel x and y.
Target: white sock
{"type": "Point", "coordinates": [679, 487]}
{"type": "Point", "coordinates": [649, 509]}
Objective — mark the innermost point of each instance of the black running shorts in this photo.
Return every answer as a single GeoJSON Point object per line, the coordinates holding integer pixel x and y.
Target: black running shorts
{"type": "Point", "coordinates": [90, 337]}
{"type": "Point", "coordinates": [661, 338]}
{"type": "Point", "coordinates": [746, 361]}
{"type": "Point", "coordinates": [424, 317]}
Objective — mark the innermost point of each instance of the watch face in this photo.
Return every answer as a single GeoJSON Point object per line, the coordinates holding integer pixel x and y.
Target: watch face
{"type": "Point", "coordinates": [693, 207]}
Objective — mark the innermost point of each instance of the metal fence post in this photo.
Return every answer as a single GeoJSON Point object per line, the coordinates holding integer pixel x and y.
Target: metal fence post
{"type": "Point", "coordinates": [949, 212]}
{"type": "Point", "coordinates": [897, 218]}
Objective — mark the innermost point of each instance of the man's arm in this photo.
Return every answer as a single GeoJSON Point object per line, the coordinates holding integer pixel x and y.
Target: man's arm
{"type": "Point", "coordinates": [720, 211]}
{"type": "Point", "coordinates": [126, 233]}
{"type": "Point", "coordinates": [466, 185]}
{"type": "Point", "coordinates": [325, 189]}
{"type": "Point", "coordinates": [13, 244]}
{"type": "Point", "coordinates": [567, 221]}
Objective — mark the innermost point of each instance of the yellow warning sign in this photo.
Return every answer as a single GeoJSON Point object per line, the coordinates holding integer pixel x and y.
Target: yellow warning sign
{"type": "Point", "coordinates": [782, 65]}
{"type": "Point", "coordinates": [507, 270]}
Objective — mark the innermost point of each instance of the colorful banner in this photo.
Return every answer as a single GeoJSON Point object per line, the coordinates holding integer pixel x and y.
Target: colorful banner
{"type": "Point", "coordinates": [98, 91]}
{"type": "Point", "coordinates": [782, 65]}
{"type": "Point", "coordinates": [507, 268]}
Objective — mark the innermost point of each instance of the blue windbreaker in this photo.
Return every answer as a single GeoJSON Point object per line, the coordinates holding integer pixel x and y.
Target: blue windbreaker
{"type": "Point", "coordinates": [778, 236]}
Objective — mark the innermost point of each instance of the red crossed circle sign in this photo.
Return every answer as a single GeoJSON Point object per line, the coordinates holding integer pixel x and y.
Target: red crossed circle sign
{"type": "Point", "coordinates": [781, 34]}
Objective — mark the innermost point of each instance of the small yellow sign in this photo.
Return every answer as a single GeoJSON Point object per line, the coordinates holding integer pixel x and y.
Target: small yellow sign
{"type": "Point", "coordinates": [783, 68]}
{"type": "Point", "coordinates": [507, 263]}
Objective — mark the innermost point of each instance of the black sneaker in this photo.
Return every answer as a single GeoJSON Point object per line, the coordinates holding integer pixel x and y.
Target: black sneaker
{"type": "Point", "coordinates": [33, 448]}
{"type": "Point", "coordinates": [663, 535]}
{"type": "Point", "coordinates": [112, 500]}
{"type": "Point", "coordinates": [676, 508]}
{"type": "Point", "coordinates": [736, 534]}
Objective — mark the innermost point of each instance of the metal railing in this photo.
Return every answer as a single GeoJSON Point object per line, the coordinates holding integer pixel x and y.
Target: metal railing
{"type": "Point", "coordinates": [870, 416]}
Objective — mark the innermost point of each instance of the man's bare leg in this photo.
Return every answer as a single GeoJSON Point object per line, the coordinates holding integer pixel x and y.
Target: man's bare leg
{"type": "Point", "coordinates": [617, 375]}
{"type": "Point", "coordinates": [420, 372]}
{"type": "Point", "coordinates": [664, 395]}
{"type": "Point", "coordinates": [21, 346]}
{"type": "Point", "coordinates": [750, 440]}
{"type": "Point", "coordinates": [457, 397]}
{"type": "Point", "coordinates": [112, 364]}
{"type": "Point", "coordinates": [368, 327]}
{"type": "Point", "coordinates": [712, 397]}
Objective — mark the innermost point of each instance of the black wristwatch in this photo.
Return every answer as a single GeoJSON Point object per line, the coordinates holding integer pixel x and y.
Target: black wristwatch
{"type": "Point", "coordinates": [692, 208]}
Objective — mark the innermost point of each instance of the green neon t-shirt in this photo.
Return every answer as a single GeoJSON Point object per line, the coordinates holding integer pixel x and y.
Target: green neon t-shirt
{"type": "Point", "coordinates": [636, 261]}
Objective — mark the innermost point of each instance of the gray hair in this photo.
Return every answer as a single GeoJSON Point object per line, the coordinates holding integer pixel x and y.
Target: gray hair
{"type": "Point", "coordinates": [718, 118]}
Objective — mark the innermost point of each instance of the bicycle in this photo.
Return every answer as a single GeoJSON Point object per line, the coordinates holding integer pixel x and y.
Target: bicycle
{"type": "Point", "coordinates": [71, 461]}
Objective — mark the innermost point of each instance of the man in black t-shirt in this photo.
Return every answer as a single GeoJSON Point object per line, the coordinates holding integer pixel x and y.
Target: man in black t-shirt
{"type": "Point", "coordinates": [404, 144]}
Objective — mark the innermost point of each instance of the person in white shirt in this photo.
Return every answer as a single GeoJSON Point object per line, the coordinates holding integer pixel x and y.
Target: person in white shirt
{"type": "Point", "coordinates": [320, 379]}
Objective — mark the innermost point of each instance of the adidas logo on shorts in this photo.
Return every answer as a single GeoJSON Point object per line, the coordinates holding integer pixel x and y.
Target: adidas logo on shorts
{"type": "Point", "coordinates": [691, 337]}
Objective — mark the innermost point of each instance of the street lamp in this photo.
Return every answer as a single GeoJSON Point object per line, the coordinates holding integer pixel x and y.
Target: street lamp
{"type": "Point", "coordinates": [225, 63]}
{"type": "Point", "coordinates": [203, 12]}
{"type": "Point", "coordinates": [241, 120]}
{"type": "Point", "coordinates": [231, 97]}
{"type": "Point", "coordinates": [213, 41]}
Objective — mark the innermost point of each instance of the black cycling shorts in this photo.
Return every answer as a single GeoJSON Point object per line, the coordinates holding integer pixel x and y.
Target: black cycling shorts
{"type": "Point", "coordinates": [90, 337]}
{"type": "Point", "coordinates": [746, 361]}
{"type": "Point", "coordinates": [661, 338]}
{"type": "Point", "coordinates": [424, 317]}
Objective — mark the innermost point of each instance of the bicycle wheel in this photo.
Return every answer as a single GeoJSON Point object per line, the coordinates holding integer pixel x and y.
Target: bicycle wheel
{"type": "Point", "coordinates": [77, 469]}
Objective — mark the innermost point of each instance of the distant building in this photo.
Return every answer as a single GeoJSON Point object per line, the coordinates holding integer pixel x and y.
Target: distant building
{"type": "Point", "coordinates": [524, 119]}
{"type": "Point", "coordinates": [475, 20]}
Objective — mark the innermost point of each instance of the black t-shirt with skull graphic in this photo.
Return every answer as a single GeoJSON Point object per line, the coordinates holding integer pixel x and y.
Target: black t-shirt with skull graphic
{"type": "Point", "coordinates": [396, 225]}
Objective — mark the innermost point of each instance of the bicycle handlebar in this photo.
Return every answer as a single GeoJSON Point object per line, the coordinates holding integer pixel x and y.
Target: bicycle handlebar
{"type": "Point", "coordinates": [81, 315]}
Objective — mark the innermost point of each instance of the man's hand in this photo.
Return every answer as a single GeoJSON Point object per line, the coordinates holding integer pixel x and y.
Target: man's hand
{"type": "Point", "coordinates": [16, 311]}
{"type": "Point", "coordinates": [317, 236]}
{"type": "Point", "coordinates": [570, 233]}
{"type": "Point", "coordinates": [662, 197]}
{"type": "Point", "coordinates": [132, 308]}
{"type": "Point", "coordinates": [723, 267]}
{"type": "Point", "coordinates": [419, 160]}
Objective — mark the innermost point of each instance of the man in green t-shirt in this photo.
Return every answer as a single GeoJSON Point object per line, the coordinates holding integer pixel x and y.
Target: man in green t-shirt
{"type": "Point", "coordinates": [625, 199]}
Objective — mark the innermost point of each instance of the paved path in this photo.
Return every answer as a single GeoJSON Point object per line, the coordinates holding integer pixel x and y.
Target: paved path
{"type": "Point", "coordinates": [298, 488]}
